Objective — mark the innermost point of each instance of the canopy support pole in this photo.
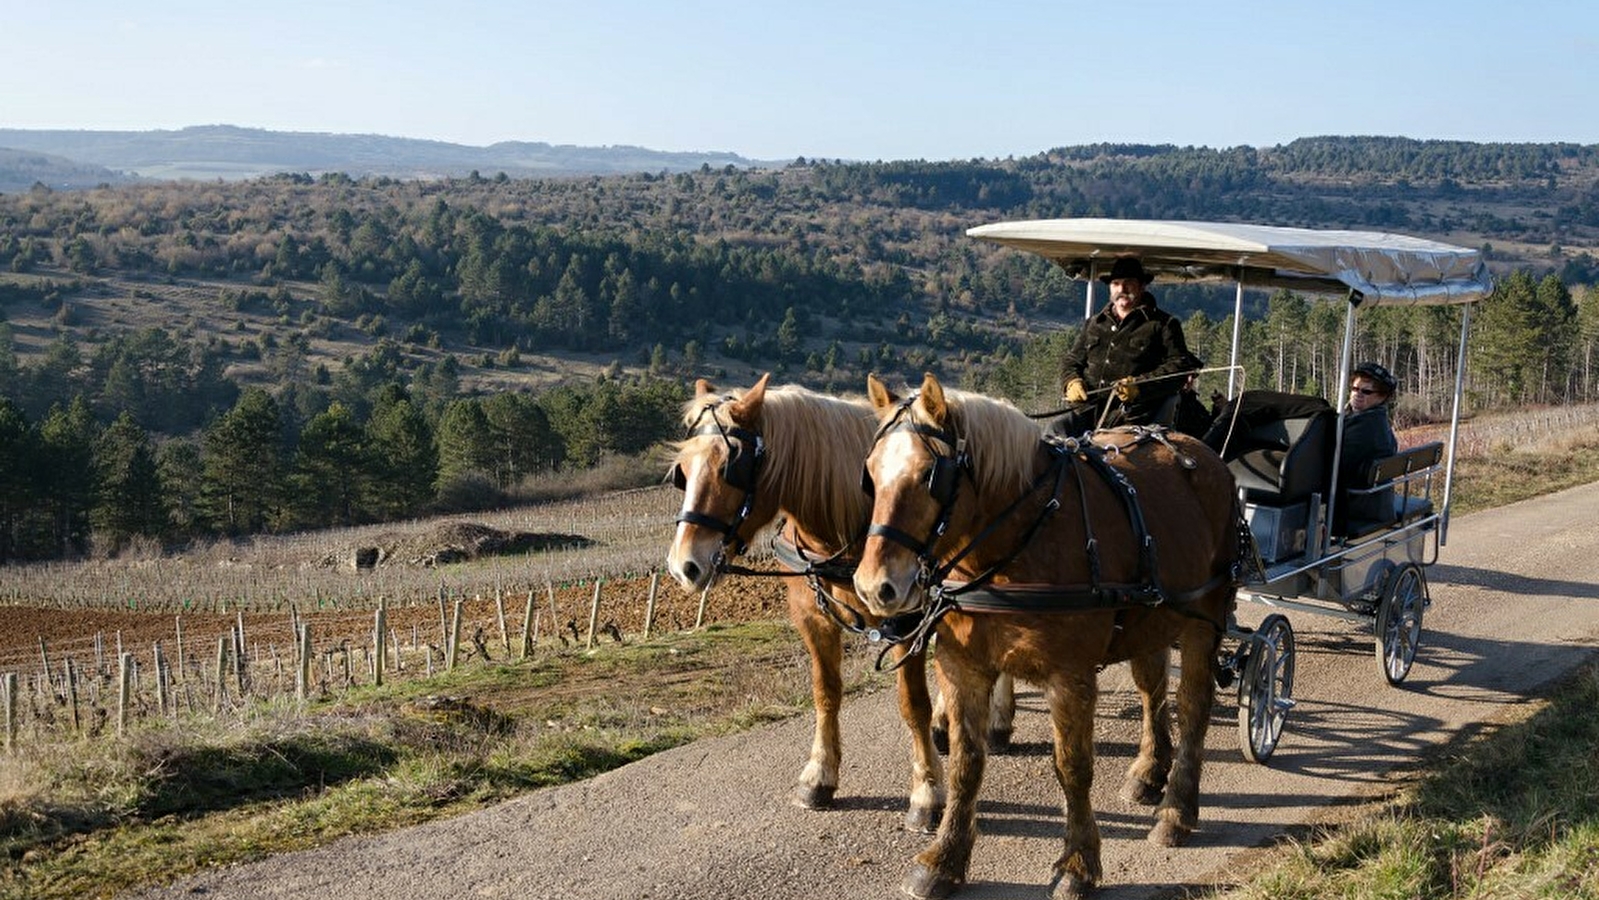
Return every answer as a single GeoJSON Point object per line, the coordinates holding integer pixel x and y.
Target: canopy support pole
{"type": "Point", "coordinates": [1454, 421]}
{"type": "Point", "coordinates": [1238, 320]}
{"type": "Point", "coordinates": [1342, 400]}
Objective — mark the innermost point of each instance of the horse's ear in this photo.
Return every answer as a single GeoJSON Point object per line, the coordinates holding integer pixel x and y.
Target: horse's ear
{"type": "Point", "coordinates": [702, 387]}
{"type": "Point", "coordinates": [882, 398]}
{"type": "Point", "coordinates": [931, 398]}
{"type": "Point", "coordinates": [747, 407]}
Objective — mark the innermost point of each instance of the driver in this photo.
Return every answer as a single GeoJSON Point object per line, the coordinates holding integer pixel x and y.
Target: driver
{"type": "Point", "coordinates": [1120, 357]}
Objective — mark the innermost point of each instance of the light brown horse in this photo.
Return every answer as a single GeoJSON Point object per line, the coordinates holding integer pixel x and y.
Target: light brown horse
{"type": "Point", "coordinates": [753, 455]}
{"type": "Point", "coordinates": [962, 483]}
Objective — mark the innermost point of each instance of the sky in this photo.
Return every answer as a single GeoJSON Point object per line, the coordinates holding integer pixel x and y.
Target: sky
{"type": "Point", "coordinates": [822, 79]}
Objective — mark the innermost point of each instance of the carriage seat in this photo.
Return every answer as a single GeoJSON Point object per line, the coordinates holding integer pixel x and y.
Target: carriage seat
{"type": "Point", "coordinates": [1406, 475]}
{"type": "Point", "coordinates": [1284, 461]}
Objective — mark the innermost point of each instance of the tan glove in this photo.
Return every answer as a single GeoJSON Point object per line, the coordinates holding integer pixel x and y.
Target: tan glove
{"type": "Point", "coordinates": [1076, 391]}
{"type": "Point", "coordinates": [1125, 390]}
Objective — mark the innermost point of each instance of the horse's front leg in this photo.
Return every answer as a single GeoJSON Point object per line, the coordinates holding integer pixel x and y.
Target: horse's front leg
{"type": "Point", "coordinates": [1071, 711]}
{"type": "Point", "coordinates": [818, 781]}
{"type": "Point", "coordinates": [940, 869]}
{"type": "Point", "coordinates": [927, 775]}
{"type": "Point", "coordinates": [1178, 814]}
{"type": "Point", "coordinates": [1146, 777]}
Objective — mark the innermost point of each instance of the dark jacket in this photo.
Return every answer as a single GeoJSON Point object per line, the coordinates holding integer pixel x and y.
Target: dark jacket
{"type": "Point", "coordinates": [1148, 342]}
{"type": "Point", "coordinates": [1367, 437]}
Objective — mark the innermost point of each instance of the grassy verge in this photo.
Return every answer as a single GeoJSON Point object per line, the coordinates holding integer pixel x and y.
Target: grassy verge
{"type": "Point", "coordinates": [94, 818]}
{"type": "Point", "coordinates": [1512, 817]}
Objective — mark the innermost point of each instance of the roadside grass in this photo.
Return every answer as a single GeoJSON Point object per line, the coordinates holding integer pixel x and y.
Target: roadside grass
{"type": "Point", "coordinates": [90, 819]}
{"type": "Point", "coordinates": [1512, 815]}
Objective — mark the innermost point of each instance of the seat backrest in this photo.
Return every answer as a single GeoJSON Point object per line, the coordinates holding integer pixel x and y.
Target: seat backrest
{"type": "Point", "coordinates": [1289, 459]}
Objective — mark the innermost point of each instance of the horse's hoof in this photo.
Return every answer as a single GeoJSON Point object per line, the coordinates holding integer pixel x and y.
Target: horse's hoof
{"type": "Point", "coordinates": [923, 819]}
{"type": "Point", "coordinates": [941, 740]}
{"type": "Point", "coordinates": [925, 884]}
{"type": "Point", "coordinates": [1141, 792]}
{"type": "Point", "coordinates": [1167, 834]}
{"type": "Point", "coordinates": [817, 796]}
{"type": "Point", "coordinates": [998, 741]}
{"type": "Point", "coordinates": [1067, 886]}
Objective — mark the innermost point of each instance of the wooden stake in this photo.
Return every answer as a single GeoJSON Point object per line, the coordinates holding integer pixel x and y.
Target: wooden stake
{"type": "Point", "coordinates": [699, 617]}
{"type": "Point", "coordinates": [528, 614]}
{"type": "Point", "coordinates": [649, 605]}
{"type": "Point", "coordinates": [124, 684]}
{"type": "Point", "coordinates": [594, 614]}
{"type": "Point", "coordinates": [302, 663]}
{"type": "Point", "coordinates": [499, 609]}
{"type": "Point", "coordinates": [9, 687]}
{"type": "Point", "coordinates": [379, 643]}
{"type": "Point", "coordinates": [453, 648]}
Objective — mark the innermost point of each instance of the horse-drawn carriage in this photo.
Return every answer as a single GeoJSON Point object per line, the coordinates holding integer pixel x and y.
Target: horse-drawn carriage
{"type": "Point", "coordinates": [1310, 557]}
{"type": "Point", "coordinates": [1155, 539]}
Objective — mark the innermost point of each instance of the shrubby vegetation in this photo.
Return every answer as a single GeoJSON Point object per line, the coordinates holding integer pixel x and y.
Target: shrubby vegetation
{"type": "Point", "coordinates": [821, 272]}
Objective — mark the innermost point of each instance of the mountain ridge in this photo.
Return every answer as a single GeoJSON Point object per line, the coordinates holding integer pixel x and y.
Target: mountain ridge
{"type": "Point", "coordinates": [232, 152]}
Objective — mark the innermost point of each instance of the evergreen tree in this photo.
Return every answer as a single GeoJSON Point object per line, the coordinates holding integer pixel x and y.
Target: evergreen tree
{"type": "Point", "coordinates": [466, 447]}
{"type": "Point", "coordinates": [181, 468]}
{"type": "Point", "coordinates": [402, 459]}
{"type": "Point", "coordinates": [330, 470]}
{"type": "Point", "coordinates": [129, 502]}
{"type": "Point", "coordinates": [243, 465]}
{"type": "Point", "coordinates": [67, 475]}
{"type": "Point", "coordinates": [18, 458]}
{"type": "Point", "coordinates": [1504, 342]}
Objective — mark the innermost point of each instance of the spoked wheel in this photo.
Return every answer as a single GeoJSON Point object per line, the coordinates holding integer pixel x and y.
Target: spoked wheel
{"type": "Point", "coordinates": [1399, 621]}
{"type": "Point", "coordinates": [1265, 693]}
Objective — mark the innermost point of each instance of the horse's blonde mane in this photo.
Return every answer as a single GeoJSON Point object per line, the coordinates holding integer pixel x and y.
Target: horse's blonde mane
{"type": "Point", "coordinates": [815, 445]}
{"type": "Point", "coordinates": [1002, 440]}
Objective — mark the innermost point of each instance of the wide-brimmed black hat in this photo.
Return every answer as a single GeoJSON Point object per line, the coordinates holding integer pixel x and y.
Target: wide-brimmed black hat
{"type": "Point", "coordinates": [1127, 267]}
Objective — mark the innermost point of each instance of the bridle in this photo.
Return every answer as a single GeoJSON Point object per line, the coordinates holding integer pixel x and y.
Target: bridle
{"type": "Point", "coordinates": [741, 469]}
{"type": "Point", "coordinates": [943, 479]}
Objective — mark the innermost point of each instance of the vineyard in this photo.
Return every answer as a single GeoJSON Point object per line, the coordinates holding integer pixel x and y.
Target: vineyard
{"type": "Point", "coordinates": [86, 647]}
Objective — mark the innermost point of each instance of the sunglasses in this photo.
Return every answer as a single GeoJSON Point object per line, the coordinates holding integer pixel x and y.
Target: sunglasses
{"type": "Point", "coordinates": [1364, 392]}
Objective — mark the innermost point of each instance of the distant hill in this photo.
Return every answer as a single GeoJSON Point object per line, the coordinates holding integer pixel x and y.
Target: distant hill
{"type": "Point", "coordinates": [22, 169]}
{"type": "Point", "coordinates": [231, 153]}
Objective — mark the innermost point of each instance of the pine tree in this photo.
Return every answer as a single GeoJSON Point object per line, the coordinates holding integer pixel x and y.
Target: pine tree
{"type": "Point", "coordinates": [243, 460]}
{"type": "Point", "coordinates": [129, 502]}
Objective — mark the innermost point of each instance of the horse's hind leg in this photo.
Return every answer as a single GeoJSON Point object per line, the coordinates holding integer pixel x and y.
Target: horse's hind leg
{"type": "Point", "coordinates": [1001, 717]}
{"type": "Point", "coordinates": [818, 781]}
{"type": "Point", "coordinates": [940, 869]}
{"type": "Point", "coordinates": [927, 775]}
{"type": "Point", "coordinates": [1178, 814]}
{"type": "Point", "coordinates": [1071, 712]}
{"type": "Point", "coordinates": [1146, 777]}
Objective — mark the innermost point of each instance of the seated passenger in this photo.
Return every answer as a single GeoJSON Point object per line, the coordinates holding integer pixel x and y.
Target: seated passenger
{"type": "Point", "coordinates": [1368, 435]}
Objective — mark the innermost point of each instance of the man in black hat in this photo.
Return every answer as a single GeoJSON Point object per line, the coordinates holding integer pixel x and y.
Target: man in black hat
{"type": "Point", "coordinates": [1131, 355]}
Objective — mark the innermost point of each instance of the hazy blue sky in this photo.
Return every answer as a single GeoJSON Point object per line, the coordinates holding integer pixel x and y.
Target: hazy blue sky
{"type": "Point", "coordinates": [856, 79]}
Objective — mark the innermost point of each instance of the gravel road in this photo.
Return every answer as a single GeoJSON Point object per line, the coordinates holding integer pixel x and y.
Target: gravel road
{"type": "Point", "coordinates": [1513, 609]}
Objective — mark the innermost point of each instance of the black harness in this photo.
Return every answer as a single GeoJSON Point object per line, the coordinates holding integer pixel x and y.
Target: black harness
{"type": "Point", "coordinates": [979, 595]}
{"type": "Point", "coordinates": [745, 455]}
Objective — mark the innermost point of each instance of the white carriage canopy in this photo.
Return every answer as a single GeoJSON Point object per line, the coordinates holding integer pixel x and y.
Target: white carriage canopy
{"type": "Point", "coordinates": [1385, 269]}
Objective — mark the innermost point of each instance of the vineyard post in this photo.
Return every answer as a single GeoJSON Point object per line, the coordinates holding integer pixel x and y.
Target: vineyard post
{"type": "Point", "coordinates": [99, 653]}
{"type": "Point", "coordinates": [221, 673]}
{"type": "Point", "coordinates": [44, 658]}
{"type": "Point", "coordinates": [527, 625]}
{"type": "Point", "coordinates": [10, 688]}
{"type": "Point", "coordinates": [240, 663]}
{"type": "Point", "coordinates": [453, 647]}
{"type": "Point", "coordinates": [179, 622]}
{"type": "Point", "coordinates": [499, 609]}
{"type": "Point", "coordinates": [378, 643]}
{"type": "Point", "coordinates": [699, 617]}
{"type": "Point", "coordinates": [160, 678]}
{"type": "Point", "coordinates": [444, 622]}
{"type": "Point", "coordinates": [555, 614]}
{"type": "Point", "coordinates": [302, 662]}
{"type": "Point", "coordinates": [594, 614]}
{"type": "Point", "coordinates": [649, 605]}
{"type": "Point", "coordinates": [72, 694]}
{"type": "Point", "coordinates": [399, 661]}
{"type": "Point", "coordinates": [124, 682]}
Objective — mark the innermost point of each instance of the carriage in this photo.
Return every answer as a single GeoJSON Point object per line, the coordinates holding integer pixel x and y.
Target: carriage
{"type": "Point", "coordinates": [1309, 556]}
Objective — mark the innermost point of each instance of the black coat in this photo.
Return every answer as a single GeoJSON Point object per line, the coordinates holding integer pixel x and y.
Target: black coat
{"type": "Point", "coordinates": [1148, 342]}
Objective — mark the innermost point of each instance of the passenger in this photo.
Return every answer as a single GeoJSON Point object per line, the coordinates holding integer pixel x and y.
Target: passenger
{"type": "Point", "coordinates": [1120, 356]}
{"type": "Point", "coordinates": [1368, 435]}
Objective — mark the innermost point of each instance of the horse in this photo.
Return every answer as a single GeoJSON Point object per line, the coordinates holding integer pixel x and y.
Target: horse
{"type": "Point", "coordinates": [964, 488]}
{"type": "Point", "coordinates": [753, 455]}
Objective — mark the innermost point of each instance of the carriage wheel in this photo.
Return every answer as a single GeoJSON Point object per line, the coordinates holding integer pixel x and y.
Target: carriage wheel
{"type": "Point", "coordinates": [1265, 693]}
{"type": "Point", "coordinates": [1399, 621]}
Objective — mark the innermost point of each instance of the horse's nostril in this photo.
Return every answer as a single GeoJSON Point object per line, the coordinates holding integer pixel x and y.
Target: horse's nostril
{"type": "Point", "coordinates": [691, 571]}
{"type": "Point", "coordinates": [885, 594]}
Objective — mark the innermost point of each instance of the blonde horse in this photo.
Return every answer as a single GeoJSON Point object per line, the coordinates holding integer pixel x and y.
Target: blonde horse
{"type": "Point", "coordinates": [965, 490]}
{"type": "Point", "coordinates": [752, 455]}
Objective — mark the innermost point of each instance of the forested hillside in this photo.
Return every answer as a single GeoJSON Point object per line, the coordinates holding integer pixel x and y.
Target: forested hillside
{"type": "Point", "coordinates": [180, 359]}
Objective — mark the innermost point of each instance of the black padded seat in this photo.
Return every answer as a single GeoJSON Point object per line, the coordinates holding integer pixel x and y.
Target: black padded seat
{"type": "Point", "coordinates": [1284, 461]}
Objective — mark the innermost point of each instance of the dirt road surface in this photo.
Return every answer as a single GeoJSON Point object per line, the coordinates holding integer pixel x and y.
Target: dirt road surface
{"type": "Point", "coordinates": [1514, 607]}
